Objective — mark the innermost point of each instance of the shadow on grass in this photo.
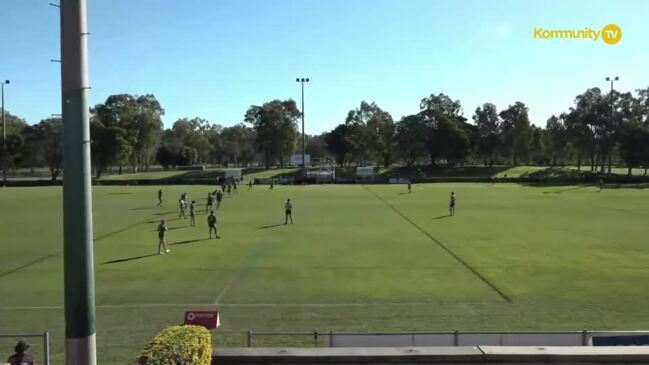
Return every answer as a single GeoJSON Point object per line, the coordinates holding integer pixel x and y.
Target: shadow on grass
{"type": "Point", "coordinates": [143, 208]}
{"type": "Point", "coordinates": [187, 242]}
{"type": "Point", "coordinates": [163, 213]}
{"type": "Point", "coordinates": [271, 226]}
{"type": "Point", "coordinates": [127, 259]}
{"type": "Point", "coordinates": [567, 189]}
{"type": "Point", "coordinates": [442, 216]}
{"type": "Point", "coordinates": [168, 229]}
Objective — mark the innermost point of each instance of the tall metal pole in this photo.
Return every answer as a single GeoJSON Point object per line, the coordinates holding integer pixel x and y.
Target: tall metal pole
{"type": "Point", "coordinates": [302, 81]}
{"type": "Point", "coordinates": [303, 135]}
{"type": "Point", "coordinates": [78, 263]}
{"type": "Point", "coordinates": [611, 79]}
{"type": "Point", "coordinates": [4, 138]}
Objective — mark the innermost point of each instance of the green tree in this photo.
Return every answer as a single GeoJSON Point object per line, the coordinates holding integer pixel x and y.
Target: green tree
{"type": "Point", "coordinates": [380, 133]}
{"type": "Point", "coordinates": [538, 146]}
{"type": "Point", "coordinates": [634, 145]}
{"type": "Point", "coordinates": [337, 144]}
{"type": "Point", "coordinates": [316, 146]}
{"type": "Point", "coordinates": [117, 118]}
{"type": "Point", "coordinates": [591, 113]}
{"type": "Point", "coordinates": [43, 145]}
{"type": "Point", "coordinates": [410, 143]}
{"type": "Point", "coordinates": [369, 133]}
{"type": "Point", "coordinates": [110, 144]}
{"type": "Point", "coordinates": [237, 144]}
{"type": "Point", "coordinates": [446, 133]}
{"type": "Point", "coordinates": [516, 132]}
{"type": "Point", "coordinates": [275, 127]}
{"type": "Point", "coordinates": [193, 133]}
{"type": "Point", "coordinates": [166, 156]}
{"type": "Point", "coordinates": [148, 123]}
{"type": "Point", "coordinates": [489, 138]}
{"type": "Point", "coordinates": [557, 141]}
{"type": "Point", "coordinates": [15, 143]}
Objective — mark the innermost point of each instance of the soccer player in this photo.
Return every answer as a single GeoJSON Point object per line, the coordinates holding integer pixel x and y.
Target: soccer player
{"type": "Point", "coordinates": [210, 200]}
{"type": "Point", "coordinates": [272, 183]}
{"type": "Point", "coordinates": [601, 184]}
{"type": "Point", "coordinates": [234, 187]}
{"type": "Point", "coordinates": [182, 206]}
{"type": "Point", "coordinates": [229, 187]}
{"type": "Point", "coordinates": [409, 186]}
{"type": "Point", "coordinates": [192, 213]}
{"type": "Point", "coordinates": [451, 206]}
{"type": "Point", "coordinates": [219, 198]}
{"type": "Point", "coordinates": [162, 242]}
{"type": "Point", "coordinates": [159, 198]}
{"type": "Point", "coordinates": [250, 185]}
{"type": "Point", "coordinates": [211, 223]}
{"type": "Point", "coordinates": [183, 196]}
{"type": "Point", "coordinates": [288, 209]}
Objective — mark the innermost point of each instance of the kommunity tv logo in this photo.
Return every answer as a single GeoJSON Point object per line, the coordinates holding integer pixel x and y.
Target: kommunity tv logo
{"type": "Point", "coordinates": [609, 34]}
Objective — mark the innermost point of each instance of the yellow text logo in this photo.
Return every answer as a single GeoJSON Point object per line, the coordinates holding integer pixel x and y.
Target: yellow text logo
{"type": "Point", "coordinates": [610, 34]}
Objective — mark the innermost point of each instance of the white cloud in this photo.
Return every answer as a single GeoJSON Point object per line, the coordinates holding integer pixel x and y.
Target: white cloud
{"type": "Point", "coordinates": [504, 30]}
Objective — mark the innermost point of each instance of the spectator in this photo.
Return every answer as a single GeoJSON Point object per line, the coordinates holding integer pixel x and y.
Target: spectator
{"type": "Point", "coordinates": [21, 357]}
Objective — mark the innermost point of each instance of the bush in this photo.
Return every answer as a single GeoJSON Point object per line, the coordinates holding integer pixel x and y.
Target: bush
{"type": "Point", "coordinates": [179, 345]}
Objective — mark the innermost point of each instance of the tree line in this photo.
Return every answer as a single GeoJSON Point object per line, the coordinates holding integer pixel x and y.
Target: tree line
{"type": "Point", "coordinates": [598, 131]}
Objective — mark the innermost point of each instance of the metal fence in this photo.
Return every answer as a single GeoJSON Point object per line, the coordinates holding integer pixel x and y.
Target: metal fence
{"type": "Point", "coordinates": [45, 342]}
{"type": "Point", "coordinates": [455, 338]}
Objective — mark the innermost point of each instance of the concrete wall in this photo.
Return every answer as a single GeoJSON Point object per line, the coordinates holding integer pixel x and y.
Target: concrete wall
{"type": "Point", "coordinates": [433, 355]}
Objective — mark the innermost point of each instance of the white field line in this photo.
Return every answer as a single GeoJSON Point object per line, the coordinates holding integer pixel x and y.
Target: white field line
{"type": "Point", "coordinates": [241, 305]}
{"type": "Point", "coordinates": [227, 287]}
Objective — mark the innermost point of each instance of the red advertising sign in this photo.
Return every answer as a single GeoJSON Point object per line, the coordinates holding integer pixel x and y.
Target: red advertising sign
{"type": "Point", "coordinates": [209, 320]}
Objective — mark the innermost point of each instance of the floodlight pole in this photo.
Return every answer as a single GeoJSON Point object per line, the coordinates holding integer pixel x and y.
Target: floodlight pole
{"type": "Point", "coordinates": [80, 348]}
{"type": "Point", "coordinates": [302, 81]}
{"type": "Point", "coordinates": [612, 80]}
{"type": "Point", "coordinates": [4, 135]}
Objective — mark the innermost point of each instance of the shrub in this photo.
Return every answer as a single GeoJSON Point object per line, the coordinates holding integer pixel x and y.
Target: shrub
{"type": "Point", "coordinates": [179, 345]}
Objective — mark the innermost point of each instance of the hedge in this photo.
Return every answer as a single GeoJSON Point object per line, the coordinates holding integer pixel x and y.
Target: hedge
{"type": "Point", "coordinates": [179, 345]}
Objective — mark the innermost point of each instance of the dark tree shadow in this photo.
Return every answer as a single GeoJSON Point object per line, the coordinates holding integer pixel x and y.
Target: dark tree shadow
{"type": "Point", "coordinates": [567, 189]}
{"type": "Point", "coordinates": [271, 226]}
{"type": "Point", "coordinates": [127, 259]}
{"type": "Point", "coordinates": [187, 242]}
{"type": "Point", "coordinates": [442, 216]}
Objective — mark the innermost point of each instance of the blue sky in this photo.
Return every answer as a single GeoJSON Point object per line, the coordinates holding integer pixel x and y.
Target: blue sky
{"type": "Point", "coordinates": [215, 58]}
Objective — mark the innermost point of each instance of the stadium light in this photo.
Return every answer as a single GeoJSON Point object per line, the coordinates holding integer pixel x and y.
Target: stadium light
{"type": "Point", "coordinates": [4, 135]}
{"type": "Point", "coordinates": [612, 80]}
{"type": "Point", "coordinates": [302, 80]}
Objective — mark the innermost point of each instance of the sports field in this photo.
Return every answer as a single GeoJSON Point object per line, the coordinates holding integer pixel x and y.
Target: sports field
{"type": "Point", "coordinates": [361, 258]}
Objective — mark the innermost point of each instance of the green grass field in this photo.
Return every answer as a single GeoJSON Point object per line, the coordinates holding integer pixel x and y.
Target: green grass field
{"type": "Point", "coordinates": [358, 258]}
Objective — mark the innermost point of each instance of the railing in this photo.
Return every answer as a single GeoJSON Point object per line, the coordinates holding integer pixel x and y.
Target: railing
{"type": "Point", "coordinates": [45, 338]}
{"type": "Point", "coordinates": [456, 338]}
